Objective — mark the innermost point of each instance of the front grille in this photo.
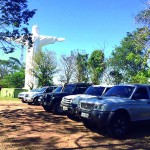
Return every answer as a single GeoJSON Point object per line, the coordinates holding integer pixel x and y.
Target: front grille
{"type": "Point", "coordinates": [66, 102]}
{"type": "Point", "coordinates": [87, 106]}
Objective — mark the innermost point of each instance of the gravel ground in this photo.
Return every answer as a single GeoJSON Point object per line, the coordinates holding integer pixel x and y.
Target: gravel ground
{"type": "Point", "coordinates": [29, 127]}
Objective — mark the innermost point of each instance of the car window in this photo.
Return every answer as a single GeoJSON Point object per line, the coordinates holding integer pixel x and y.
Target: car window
{"type": "Point", "coordinates": [97, 91]}
{"type": "Point", "coordinates": [58, 89]}
{"type": "Point", "coordinates": [80, 89]}
{"type": "Point", "coordinates": [69, 88]}
{"type": "Point", "coordinates": [120, 91]}
{"type": "Point", "coordinates": [141, 93]}
{"type": "Point", "coordinates": [41, 89]}
{"type": "Point", "coordinates": [107, 88]}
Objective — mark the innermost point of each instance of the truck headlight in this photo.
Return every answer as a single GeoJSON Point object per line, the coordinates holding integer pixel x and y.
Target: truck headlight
{"type": "Point", "coordinates": [98, 107]}
{"type": "Point", "coordinates": [75, 101]}
{"type": "Point", "coordinates": [40, 98]}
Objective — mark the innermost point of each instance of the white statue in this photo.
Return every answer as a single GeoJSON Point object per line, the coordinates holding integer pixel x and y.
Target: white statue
{"type": "Point", "coordinates": [38, 42]}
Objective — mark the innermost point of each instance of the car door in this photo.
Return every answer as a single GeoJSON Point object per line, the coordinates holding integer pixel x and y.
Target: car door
{"type": "Point", "coordinates": [140, 104]}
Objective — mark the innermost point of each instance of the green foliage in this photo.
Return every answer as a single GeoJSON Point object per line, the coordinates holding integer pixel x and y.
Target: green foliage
{"type": "Point", "coordinates": [13, 21]}
{"type": "Point", "coordinates": [96, 65]}
{"type": "Point", "coordinates": [15, 80]}
{"type": "Point", "coordinates": [11, 73]}
{"type": "Point", "coordinates": [44, 67]}
{"type": "Point", "coordinates": [130, 58]}
{"type": "Point", "coordinates": [82, 67]}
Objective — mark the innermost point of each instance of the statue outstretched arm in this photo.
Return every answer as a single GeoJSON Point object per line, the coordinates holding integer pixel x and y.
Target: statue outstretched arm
{"type": "Point", "coordinates": [45, 40]}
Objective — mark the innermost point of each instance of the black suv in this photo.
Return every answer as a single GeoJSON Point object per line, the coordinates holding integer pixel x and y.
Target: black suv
{"type": "Point", "coordinates": [51, 101]}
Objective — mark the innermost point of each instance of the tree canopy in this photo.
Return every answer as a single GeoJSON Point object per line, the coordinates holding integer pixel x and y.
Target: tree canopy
{"type": "Point", "coordinates": [14, 18]}
{"type": "Point", "coordinates": [44, 67]}
{"type": "Point", "coordinates": [96, 65]}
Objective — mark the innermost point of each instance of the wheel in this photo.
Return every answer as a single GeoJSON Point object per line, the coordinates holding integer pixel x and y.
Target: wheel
{"type": "Point", "coordinates": [118, 126]}
{"type": "Point", "coordinates": [36, 101]}
{"type": "Point", "coordinates": [73, 117]}
{"type": "Point", "coordinates": [47, 108]}
{"type": "Point", "coordinates": [87, 123]}
{"type": "Point", "coordinates": [22, 100]}
{"type": "Point", "coordinates": [29, 103]}
{"type": "Point", "coordinates": [57, 109]}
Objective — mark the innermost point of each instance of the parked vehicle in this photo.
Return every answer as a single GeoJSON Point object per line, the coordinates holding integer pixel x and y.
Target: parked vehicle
{"type": "Point", "coordinates": [22, 95]}
{"type": "Point", "coordinates": [51, 102]}
{"type": "Point", "coordinates": [69, 103]}
{"type": "Point", "coordinates": [32, 98]}
{"type": "Point", "coordinates": [117, 108]}
{"type": "Point", "coordinates": [41, 97]}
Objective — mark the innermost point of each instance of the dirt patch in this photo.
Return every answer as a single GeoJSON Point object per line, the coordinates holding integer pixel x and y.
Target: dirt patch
{"type": "Point", "coordinates": [29, 127]}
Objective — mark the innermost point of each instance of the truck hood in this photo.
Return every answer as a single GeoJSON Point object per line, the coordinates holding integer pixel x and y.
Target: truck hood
{"type": "Point", "coordinates": [101, 100]}
{"type": "Point", "coordinates": [58, 94]}
{"type": "Point", "coordinates": [79, 96]}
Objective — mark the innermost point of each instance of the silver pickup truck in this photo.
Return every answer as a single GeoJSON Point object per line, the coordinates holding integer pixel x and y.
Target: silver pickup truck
{"type": "Point", "coordinates": [117, 108]}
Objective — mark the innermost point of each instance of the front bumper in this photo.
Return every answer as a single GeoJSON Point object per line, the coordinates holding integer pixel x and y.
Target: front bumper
{"type": "Point", "coordinates": [28, 100]}
{"type": "Point", "coordinates": [69, 109]}
{"type": "Point", "coordinates": [99, 118]}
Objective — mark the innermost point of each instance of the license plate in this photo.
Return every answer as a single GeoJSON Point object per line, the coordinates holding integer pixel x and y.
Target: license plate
{"type": "Point", "coordinates": [65, 108]}
{"type": "Point", "coordinates": [84, 115]}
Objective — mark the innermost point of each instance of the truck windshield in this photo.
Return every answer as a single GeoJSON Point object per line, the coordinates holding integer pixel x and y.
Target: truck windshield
{"type": "Point", "coordinates": [120, 91]}
{"type": "Point", "coordinates": [69, 88]}
{"type": "Point", "coordinates": [96, 91]}
{"type": "Point", "coordinates": [57, 90]}
{"type": "Point", "coordinates": [41, 89]}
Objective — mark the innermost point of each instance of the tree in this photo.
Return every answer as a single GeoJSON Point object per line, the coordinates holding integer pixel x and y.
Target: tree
{"type": "Point", "coordinates": [14, 17]}
{"type": "Point", "coordinates": [143, 16]}
{"type": "Point", "coordinates": [44, 67]}
{"type": "Point", "coordinates": [14, 80]}
{"type": "Point", "coordinates": [131, 56]}
{"type": "Point", "coordinates": [96, 65]}
{"type": "Point", "coordinates": [67, 67]}
{"type": "Point", "coordinates": [82, 67]}
{"type": "Point", "coordinates": [9, 66]}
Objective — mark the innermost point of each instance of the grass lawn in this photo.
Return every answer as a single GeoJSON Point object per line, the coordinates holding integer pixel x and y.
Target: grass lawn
{"type": "Point", "coordinates": [9, 99]}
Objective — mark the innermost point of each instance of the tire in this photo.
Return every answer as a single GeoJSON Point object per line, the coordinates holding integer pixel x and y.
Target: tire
{"type": "Point", "coordinates": [47, 108]}
{"type": "Point", "coordinates": [22, 100]}
{"type": "Point", "coordinates": [36, 101]}
{"type": "Point", "coordinates": [29, 103]}
{"type": "Point", "coordinates": [118, 126]}
{"type": "Point", "coordinates": [73, 117]}
{"type": "Point", "coordinates": [57, 109]}
{"type": "Point", "coordinates": [87, 123]}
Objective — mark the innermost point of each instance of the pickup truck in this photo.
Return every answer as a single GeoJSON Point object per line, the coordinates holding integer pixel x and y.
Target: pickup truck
{"type": "Point", "coordinates": [117, 108]}
{"type": "Point", "coordinates": [51, 101]}
{"type": "Point", "coordinates": [69, 103]}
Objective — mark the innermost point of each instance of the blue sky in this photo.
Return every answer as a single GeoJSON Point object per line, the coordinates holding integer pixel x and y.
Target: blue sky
{"type": "Point", "coordinates": [86, 24]}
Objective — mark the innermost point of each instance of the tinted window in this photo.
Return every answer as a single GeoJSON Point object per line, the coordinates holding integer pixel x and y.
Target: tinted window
{"type": "Point", "coordinates": [107, 89]}
{"type": "Point", "coordinates": [41, 89]}
{"type": "Point", "coordinates": [80, 90]}
{"type": "Point", "coordinates": [69, 88]}
{"type": "Point", "coordinates": [97, 91]}
{"type": "Point", "coordinates": [141, 93]}
{"type": "Point", "coordinates": [58, 89]}
{"type": "Point", "coordinates": [34, 90]}
{"type": "Point", "coordinates": [120, 91]}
